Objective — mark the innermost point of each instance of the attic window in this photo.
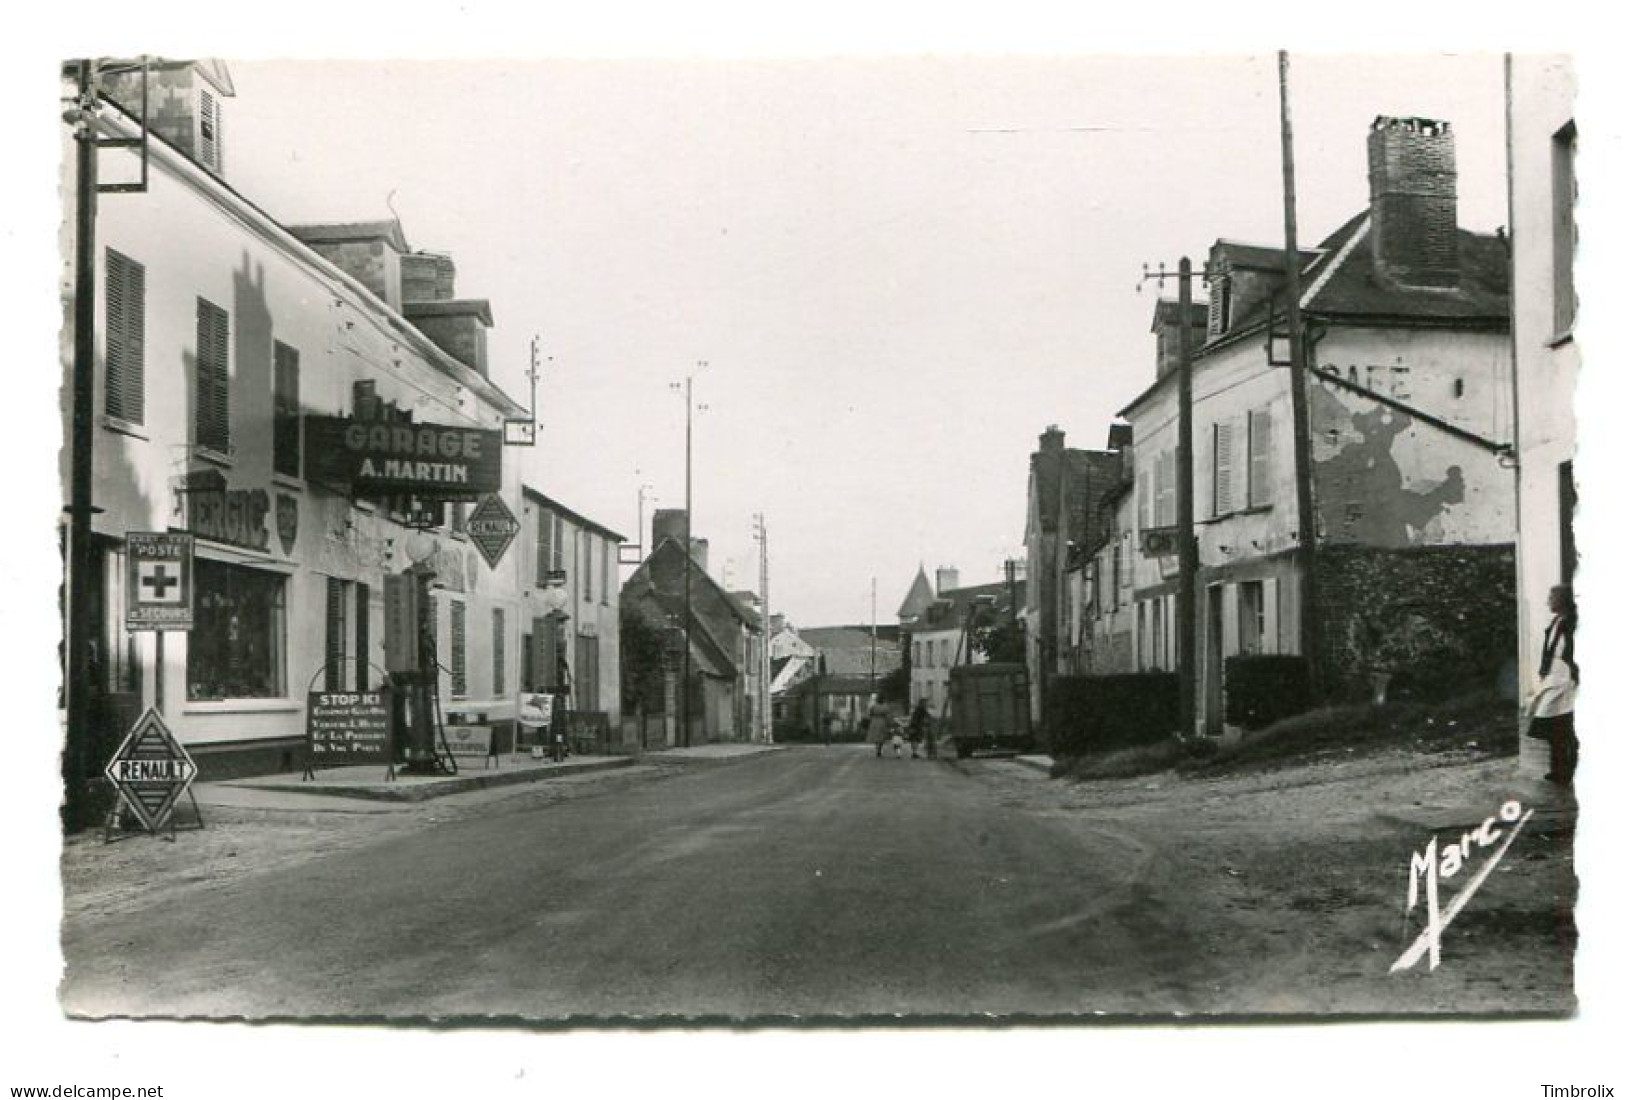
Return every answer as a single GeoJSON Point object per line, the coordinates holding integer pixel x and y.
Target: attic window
{"type": "Point", "coordinates": [1218, 307]}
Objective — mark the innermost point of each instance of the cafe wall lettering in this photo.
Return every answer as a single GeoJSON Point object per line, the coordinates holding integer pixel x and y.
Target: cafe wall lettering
{"type": "Point", "coordinates": [222, 514]}
{"type": "Point", "coordinates": [430, 461]}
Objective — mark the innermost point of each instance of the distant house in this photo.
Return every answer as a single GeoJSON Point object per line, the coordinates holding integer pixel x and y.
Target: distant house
{"type": "Point", "coordinates": [938, 640]}
{"type": "Point", "coordinates": [1064, 490]}
{"type": "Point", "coordinates": [724, 636]}
{"type": "Point", "coordinates": [570, 609]}
{"type": "Point", "coordinates": [843, 678]}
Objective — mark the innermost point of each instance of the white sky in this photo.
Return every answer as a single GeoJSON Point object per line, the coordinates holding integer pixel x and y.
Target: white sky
{"type": "Point", "coordinates": [900, 270]}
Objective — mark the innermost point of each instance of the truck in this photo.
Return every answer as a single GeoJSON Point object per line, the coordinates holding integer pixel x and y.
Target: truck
{"type": "Point", "coordinates": [988, 709]}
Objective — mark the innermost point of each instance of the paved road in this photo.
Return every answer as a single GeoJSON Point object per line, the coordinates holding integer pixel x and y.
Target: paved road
{"type": "Point", "coordinates": [810, 882]}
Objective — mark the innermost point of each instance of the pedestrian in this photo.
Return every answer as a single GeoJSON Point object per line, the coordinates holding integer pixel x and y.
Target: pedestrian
{"type": "Point", "coordinates": [829, 729]}
{"type": "Point", "coordinates": [917, 722]}
{"type": "Point", "coordinates": [877, 728]}
{"type": "Point", "coordinates": [896, 728]}
{"type": "Point", "coordinates": [1551, 710]}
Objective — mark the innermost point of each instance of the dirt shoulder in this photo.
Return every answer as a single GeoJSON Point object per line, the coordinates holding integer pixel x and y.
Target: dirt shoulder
{"type": "Point", "coordinates": [1294, 879]}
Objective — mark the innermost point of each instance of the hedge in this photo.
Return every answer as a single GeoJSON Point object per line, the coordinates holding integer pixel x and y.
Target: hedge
{"type": "Point", "coordinates": [1096, 713]}
{"type": "Point", "coordinates": [1261, 689]}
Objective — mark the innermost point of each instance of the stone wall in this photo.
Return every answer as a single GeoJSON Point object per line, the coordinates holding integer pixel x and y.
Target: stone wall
{"type": "Point", "coordinates": [1466, 592]}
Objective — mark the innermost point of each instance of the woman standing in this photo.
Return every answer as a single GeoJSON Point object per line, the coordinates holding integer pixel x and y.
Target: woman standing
{"type": "Point", "coordinates": [878, 728]}
{"type": "Point", "coordinates": [1551, 712]}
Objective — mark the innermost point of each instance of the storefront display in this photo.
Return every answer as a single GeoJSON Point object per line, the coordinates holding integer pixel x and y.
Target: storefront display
{"type": "Point", "coordinates": [237, 650]}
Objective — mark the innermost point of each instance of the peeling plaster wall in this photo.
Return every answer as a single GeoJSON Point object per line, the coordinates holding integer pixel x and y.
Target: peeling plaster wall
{"type": "Point", "coordinates": [1426, 368]}
{"type": "Point", "coordinates": [1385, 479]}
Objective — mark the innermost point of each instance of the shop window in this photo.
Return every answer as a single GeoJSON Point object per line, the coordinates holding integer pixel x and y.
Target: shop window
{"type": "Point", "coordinates": [126, 339]}
{"type": "Point", "coordinates": [285, 412]}
{"type": "Point", "coordinates": [212, 411]}
{"type": "Point", "coordinates": [237, 647]}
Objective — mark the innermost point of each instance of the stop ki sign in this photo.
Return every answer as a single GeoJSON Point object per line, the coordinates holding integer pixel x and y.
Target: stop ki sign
{"type": "Point", "coordinates": [492, 527]}
{"type": "Point", "coordinates": [151, 770]}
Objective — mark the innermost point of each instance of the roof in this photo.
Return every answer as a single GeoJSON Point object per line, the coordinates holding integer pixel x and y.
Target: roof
{"type": "Point", "coordinates": [952, 604]}
{"type": "Point", "coordinates": [571, 514]}
{"type": "Point", "coordinates": [1088, 475]}
{"type": "Point", "coordinates": [451, 307]}
{"type": "Point", "coordinates": [919, 596]}
{"type": "Point", "coordinates": [845, 650]}
{"type": "Point", "coordinates": [1344, 286]}
{"type": "Point", "coordinates": [387, 229]}
{"type": "Point", "coordinates": [1166, 312]}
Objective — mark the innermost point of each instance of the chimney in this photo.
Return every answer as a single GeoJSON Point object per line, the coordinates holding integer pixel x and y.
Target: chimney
{"type": "Point", "coordinates": [368, 252]}
{"type": "Point", "coordinates": [457, 326]}
{"type": "Point", "coordinates": [428, 277]}
{"type": "Point", "coordinates": [1165, 324]}
{"type": "Point", "coordinates": [947, 579]}
{"type": "Point", "coordinates": [1053, 441]}
{"type": "Point", "coordinates": [669, 523]}
{"type": "Point", "coordinates": [1413, 201]}
{"type": "Point", "coordinates": [183, 105]}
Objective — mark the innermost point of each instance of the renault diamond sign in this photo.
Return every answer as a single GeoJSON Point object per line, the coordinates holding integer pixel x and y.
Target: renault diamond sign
{"type": "Point", "coordinates": [492, 527]}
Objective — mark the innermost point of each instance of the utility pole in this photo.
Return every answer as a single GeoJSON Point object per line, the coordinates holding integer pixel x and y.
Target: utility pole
{"type": "Point", "coordinates": [77, 673]}
{"type": "Point", "coordinates": [688, 535]}
{"type": "Point", "coordinates": [767, 638]}
{"type": "Point", "coordinates": [1308, 608]}
{"type": "Point", "coordinates": [643, 490]}
{"type": "Point", "coordinates": [874, 630]}
{"type": "Point", "coordinates": [1184, 502]}
{"type": "Point", "coordinates": [1185, 515]}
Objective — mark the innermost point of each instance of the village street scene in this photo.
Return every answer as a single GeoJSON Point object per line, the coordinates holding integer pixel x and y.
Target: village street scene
{"type": "Point", "coordinates": [835, 542]}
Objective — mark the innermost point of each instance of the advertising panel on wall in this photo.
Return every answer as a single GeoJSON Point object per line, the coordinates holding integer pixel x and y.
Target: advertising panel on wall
{"type": "Point", "coordinates": [377, 459]}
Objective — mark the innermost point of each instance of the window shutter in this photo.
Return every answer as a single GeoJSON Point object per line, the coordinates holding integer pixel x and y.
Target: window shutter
{"type": "Point", "coordinates": [213, 421]}
{"type": "Point", "coordinates": [335, 634]}
{"type": "Point", "coordinates": [1223, 498]}
{"type": "Point", "coordinates": [459, 649]}
{"type": "Point", "coordinates": [544, 544]}
{"type": "Point", "coordinates": [499, 652]}
{"type": "Point", "coordinates": [208, 145]}
{"type": "Point", "coordinates": [1166, 502]}
{"type": "Point", "coordinates": [1271, 641]}
{"type": "Point", "coordinates": [126, 338]}
{"type": "Point", "coordinates": [1258, 458]}
{"type": "Point", "coordinates": [586, 565]}
{"type": "Point", "coordinates": [1143, 493]}
{"type": "Point", "coordinates": [558, 542]}
{"type": "Point", "coordinates": [363, 635]}
{"type": "Point", "coordinates": [603, 560]}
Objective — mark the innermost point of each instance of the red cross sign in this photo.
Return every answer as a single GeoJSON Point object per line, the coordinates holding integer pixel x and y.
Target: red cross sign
{"type": "Point", "coordinates": [158, 581]}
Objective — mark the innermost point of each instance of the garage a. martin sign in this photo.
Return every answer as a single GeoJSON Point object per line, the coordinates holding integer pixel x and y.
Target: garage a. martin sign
{"type": "Point", "coordinates": [428, 461]}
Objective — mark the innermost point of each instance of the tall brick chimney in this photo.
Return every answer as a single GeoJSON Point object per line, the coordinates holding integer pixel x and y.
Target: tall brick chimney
{"type": "Point", "coordinates": [947, 579]}
{"type": "Point", "coordinates": [1413, 201]}
{"type": "Point", "coordinates": [1052, 441]}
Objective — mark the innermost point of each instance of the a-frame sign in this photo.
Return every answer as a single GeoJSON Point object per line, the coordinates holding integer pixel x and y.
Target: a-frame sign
{"type": "Point", "coordinates": [151, 770]}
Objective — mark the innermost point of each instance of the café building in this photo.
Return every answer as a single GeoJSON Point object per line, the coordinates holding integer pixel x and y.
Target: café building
{"type": "Point", "coordinates": [312, 404]}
